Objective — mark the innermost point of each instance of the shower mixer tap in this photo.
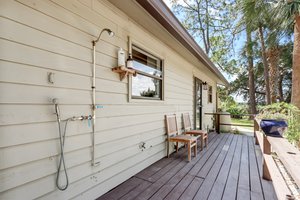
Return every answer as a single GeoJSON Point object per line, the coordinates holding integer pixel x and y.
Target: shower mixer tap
{"type": "Point", "coordinates": [81, 118]}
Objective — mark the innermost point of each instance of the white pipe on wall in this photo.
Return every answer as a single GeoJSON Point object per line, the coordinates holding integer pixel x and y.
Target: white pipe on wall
{"type": "Point", "coordinates": [94, 104]}
{"type": "Point", "coordinates": [94, 107]}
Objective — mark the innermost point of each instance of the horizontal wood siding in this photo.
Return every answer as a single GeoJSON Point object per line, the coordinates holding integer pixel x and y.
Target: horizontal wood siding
{"type": "Point", "coordinates": [38, 37]}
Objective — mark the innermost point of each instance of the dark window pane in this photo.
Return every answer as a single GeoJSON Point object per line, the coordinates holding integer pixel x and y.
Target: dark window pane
{"type": "Point", "coordinates": [143, 86]}
{"type": "Point", "coordinates": [146, 63]}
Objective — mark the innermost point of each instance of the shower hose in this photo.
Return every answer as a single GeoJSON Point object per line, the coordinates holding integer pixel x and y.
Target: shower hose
{"type": "Point", "coordinates": [62, 164]}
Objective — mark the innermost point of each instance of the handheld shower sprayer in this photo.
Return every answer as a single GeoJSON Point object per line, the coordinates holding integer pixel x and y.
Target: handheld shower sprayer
{"type": "Point", "coordinates": [62, 137]}
{"type": "Point", "coordinates": [57, 111]}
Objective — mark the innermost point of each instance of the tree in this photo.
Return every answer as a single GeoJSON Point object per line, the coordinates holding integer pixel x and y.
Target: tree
{"type": "Point", "coordinates": [273, 56]}
{"type": "Point", "coordinates": [287, 13]}
{"type": "Point", "coordinates": [210, 23]}
{"type": "Point", "coordinates": [258, 12]}
{"type": "Point", "coordinates": [251, 85]}
{"type": "Point", "coordinates": [245, 23]}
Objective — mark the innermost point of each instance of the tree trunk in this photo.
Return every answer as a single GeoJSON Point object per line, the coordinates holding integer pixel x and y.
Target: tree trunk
{"type": "Point", "coordinates": [280, 91]}
{"type": "Point", "coordinates": [273, 55]}
{"type": "Point", "coordinates": [296, 64]}
{"type": "Point", "coordinates": [265, 63]}
{"type": "Point", "coordinates": [252, 102]}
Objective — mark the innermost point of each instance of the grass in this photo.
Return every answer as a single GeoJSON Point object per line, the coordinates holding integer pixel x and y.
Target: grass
{"type": "Point", "coordinates": [243, 122]}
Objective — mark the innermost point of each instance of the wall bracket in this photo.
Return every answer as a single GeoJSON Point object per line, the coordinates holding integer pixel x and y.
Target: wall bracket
{"type": "Point", "coordinates": [124, 71]}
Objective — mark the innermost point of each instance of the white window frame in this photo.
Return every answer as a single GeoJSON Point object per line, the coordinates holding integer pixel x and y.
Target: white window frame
{"type": "Point", "coordinates": [134, 99]}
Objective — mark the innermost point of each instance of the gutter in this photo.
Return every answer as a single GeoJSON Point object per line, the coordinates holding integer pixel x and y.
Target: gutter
{"type": "Point", "coordinates": [160, 11]}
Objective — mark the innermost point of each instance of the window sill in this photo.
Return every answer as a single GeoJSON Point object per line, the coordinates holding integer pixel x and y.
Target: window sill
{"type": "Point", "coordinates": [145, 100]}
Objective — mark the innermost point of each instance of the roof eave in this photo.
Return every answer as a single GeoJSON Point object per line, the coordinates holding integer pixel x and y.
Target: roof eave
{"type": "Point", "coordinates": [160, 11]}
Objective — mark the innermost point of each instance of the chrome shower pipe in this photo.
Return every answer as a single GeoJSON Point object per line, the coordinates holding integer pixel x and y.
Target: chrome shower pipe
{"type": "Point", "coordinates": [111, 34]}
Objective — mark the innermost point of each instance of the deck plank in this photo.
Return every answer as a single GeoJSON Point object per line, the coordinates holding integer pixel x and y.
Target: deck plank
{"type": "Point", "coordinates": [190, 192]}
{"type": "Point", "coordinates": [255, 181]}
{"type": "Point", "coordinates": [121, 190]}
{"type": "Point", "coordinates": [244, 169]}
{"type": "Point", "coordinates": [165, 190]}
{"type": "Point", "coordinates": [154, 168]}
{"type": "Point", "coordinates": [208, 182]}
{"type": "Point", "coordinates": [220, 183]}
{"type": "Point", "coordinates": [198, 167]}
{"type": "Point", "coordinates": [188, 178]}
{"type": "Point", "coordinates": [175, 159]}
{"type": "Point", "coordinates": [136, 191]}
{"type": "Point", "coordinates": [229, 168]}
{"type": "Point", "coordinates": [243, 194]}
{"type": "Point", "coordinates": [207, 167]}
{"type": "Point", "coordinates": [151, 190]}
{"type": "Point", "coordinates": [233, 176]}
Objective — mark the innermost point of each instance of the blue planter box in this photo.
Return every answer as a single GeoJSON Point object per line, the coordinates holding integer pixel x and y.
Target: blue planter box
{"type": "Point", "coordinates": [273, 127]}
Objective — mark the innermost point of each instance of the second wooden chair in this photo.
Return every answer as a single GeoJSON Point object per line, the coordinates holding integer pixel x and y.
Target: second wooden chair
{"type": "Point", "coordinates": [188, 130]}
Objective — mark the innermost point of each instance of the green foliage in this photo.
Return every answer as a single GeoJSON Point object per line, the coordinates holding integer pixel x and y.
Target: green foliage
{"type": "Point", "coordinates": [229, 105]}
{"type": "Point", "coordinates": [283, 111]}
{"type": "Point", "coordinates": [148, 93]}
{"type": "Point", "coordinates": [236, 110]}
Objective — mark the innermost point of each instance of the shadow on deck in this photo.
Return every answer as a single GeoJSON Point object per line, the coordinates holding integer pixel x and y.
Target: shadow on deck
{"type": "Point", "coordinates": [229, 168]}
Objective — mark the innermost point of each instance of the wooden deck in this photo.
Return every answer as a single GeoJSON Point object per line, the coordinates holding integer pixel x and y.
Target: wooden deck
{"type": "Point", "coordinates": [229, 168]}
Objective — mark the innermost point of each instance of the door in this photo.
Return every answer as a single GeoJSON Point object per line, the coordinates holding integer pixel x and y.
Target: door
{"type": "Point", "coordinates": [198, 104]}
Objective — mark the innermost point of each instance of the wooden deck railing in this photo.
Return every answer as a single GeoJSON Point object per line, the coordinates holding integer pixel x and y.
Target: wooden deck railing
{"type": "Point", "coordinates": [288, 155]}
{"type": "Point", "coordinates": [218, 122]}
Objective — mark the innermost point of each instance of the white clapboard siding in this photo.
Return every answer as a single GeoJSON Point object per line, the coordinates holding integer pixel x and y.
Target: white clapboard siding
{"type": "Point", "coordinates": [41, 36]}
{"type": "Point", "coordinates": [27, 133]}
{"type": "Point", "coordinates": [106, 185]}
{"type": "Point", "coordinates": [47, 166]}
{"type": "Point", "coordinates": [131, 165]}
{"type": "Point", "coordinates": [12, 155]}
{"type": "Point", "coordinates": [22, 74]}
{"type": "Point", "coordinates": [172, 89]}
{"type": "Point", "coordinates": [89, 177]}
{"type": "Point", "coordinates": [20, 53]}
{"type": "Point", "coordinates": [125, 131]}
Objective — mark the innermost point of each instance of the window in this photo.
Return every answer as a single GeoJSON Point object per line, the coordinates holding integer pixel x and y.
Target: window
{"type": "Point", "coordinates": [209, 94]}
{"type": "Point", "coordinates": [147, 84]}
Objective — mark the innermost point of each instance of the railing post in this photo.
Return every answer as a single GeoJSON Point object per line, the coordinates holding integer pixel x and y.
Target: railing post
{"type": "Point", "coordinates": [266, 145]}
{"type": "Point", "coordinates": [218, 123]}
{"type": "Point", "coordinates": [266, 173]}
{"type": "Point", "coordinates": [256, 128]}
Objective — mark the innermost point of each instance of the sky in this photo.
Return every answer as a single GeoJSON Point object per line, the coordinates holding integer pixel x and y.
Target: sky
{"type": "Point", "coordinates": [238, 46]}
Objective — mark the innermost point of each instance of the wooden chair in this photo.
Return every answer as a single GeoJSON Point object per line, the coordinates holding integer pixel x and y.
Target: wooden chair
{"type": "Point", "coordinates": [173, 136]}
{"type": "Point", "coordinates": [188, 130]}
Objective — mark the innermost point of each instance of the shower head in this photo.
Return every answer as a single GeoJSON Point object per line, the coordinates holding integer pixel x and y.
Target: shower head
{"type": "Point", "coordinates": [110, 33]}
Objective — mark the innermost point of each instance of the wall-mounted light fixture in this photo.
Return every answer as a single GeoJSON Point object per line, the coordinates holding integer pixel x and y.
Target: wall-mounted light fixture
{"type": "Point", "coordinates": [204, 85]}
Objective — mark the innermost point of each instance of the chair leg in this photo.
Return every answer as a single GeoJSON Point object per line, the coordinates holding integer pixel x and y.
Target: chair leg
{"type": "Point", "coordinates": [206, 141]}
{"type": "Point", "coordinates": [177, 147]}
{"type": "Point", "coordinates": [202, 142]}
{"type": "Point", "coordinates": [195, 150]}
{"type": "Point", "coordinates": [189, 151]}
{"type": "Point", "coordinates": [168, 149]}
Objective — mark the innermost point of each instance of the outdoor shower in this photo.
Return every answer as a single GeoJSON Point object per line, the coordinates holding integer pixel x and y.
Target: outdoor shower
{"type": "Point", "coordinates": [94, 106]}
{"type": "Point", "coordinates": [62, 132]}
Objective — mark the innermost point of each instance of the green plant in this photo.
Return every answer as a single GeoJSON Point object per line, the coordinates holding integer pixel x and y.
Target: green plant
{"type": "Point", "coordinates": [283, 111]}
{"type": "Point", "coordinates": [148, 93]}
